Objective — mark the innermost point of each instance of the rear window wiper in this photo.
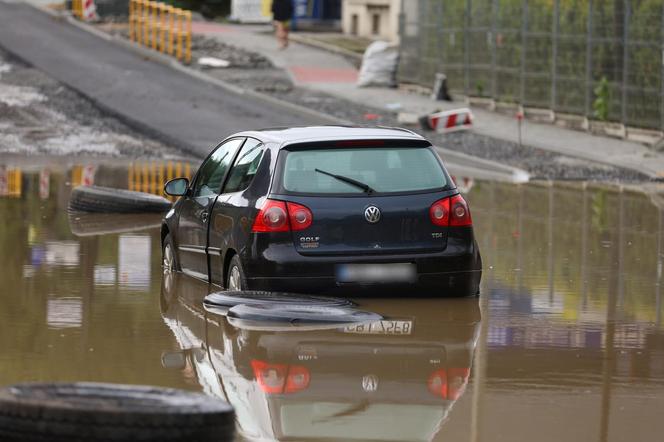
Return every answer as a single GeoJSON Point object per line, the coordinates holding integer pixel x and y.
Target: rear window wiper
{"type": "Point", "coordinates": [348, 180]}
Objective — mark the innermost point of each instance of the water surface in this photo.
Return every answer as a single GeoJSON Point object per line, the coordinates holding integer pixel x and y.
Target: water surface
{"type": "Point", "coordinates": [565, 343]}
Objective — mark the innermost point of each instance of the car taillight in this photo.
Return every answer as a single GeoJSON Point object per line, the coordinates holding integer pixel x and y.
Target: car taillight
{"type": "Point", "coordinates": [459, 212]}
{"type": "Point", "coordinates": [300, 216]}
{"type": "Point", "coordinates": [449, 384]}
{"type": "Point", "coordinates": [280, 378]}
{"type": "Point", "coordinates": [272, 217]}
{"type": "Point", "coordinates": [280, 216]}
{"type": "Point", "coordinates": [440, 212]}
{"type": "Point", "coordinates": [451, 211]}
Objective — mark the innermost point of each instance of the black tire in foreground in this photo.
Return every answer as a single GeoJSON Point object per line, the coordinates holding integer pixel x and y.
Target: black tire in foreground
{"type": "Point", "coordinates": [220, 302]}
{"type": "Point", "coordinates": [93, 412]}
{"type": "Point", "coordinates": [110, 200]}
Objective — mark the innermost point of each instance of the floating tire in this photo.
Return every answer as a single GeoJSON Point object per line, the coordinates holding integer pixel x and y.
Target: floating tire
{"type": "Point", "coordinates": [91, 224]}
{"type": "Point", "coordinates": [220, 302]}
{"type": "Point", "coordinates": [110, 200]}
{"type": "Point", "coordinates": [297, 314]}
{"type": "Point", "coordinates": [93, 412]}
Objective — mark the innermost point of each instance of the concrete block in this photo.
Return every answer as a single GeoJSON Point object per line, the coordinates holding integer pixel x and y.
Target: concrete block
{"type": "Point", "coordinates": [482, 102]}
{"type": "Point", "coordinates": [509, 109]}
{"type": "Point", "coordinates": [608, 128]}
{"type": "Point", "coordinates": [572, 121]}
{"type": "Point", "coordinates": [648, 137]}
{"type": "Point", "coordinates": [540, 115]}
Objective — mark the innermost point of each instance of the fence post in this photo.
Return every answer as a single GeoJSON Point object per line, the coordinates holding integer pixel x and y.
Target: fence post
{"type": "Point", "coordinates": [146, 22]}
{"type": "Point", "coordinates": [187, 57]}
{"type": "Point", "coordinates": [661, 74]}
{"type": "Point", "coordinates": [524, 38]}
{"type": "Point", "coordinates": [554, 54]}
{"type": "Point", "coordinates": [155, 24]}
{"type": "Point", "coordinates": [131, 20]}
{"type": "Point", "coordinates": [589, 52]}
{"type": "Point", "coordinates": [625, 66]}
{"type": "Point", "coordinates": [180, 20]}
{"type": "Point", "coordinates": [466, 49]}
{"type": "Point", "coordinates": [494, 37]}
{"type": "Point", "coordinates": [171, 29]}
{"type": "Point", "coordinates": [162, 27]}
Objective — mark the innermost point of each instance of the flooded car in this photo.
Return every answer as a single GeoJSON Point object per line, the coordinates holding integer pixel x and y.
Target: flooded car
{"type": "Point", "coordinates": [343, 382]}
{"type": "Point", "coordinates": [317, 208]}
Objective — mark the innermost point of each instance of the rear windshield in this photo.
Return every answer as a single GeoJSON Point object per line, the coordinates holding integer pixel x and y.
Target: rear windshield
{"type": "Point", "coordinates": [384, 170]}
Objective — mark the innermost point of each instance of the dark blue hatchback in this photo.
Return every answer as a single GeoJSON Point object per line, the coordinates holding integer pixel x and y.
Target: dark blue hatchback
{"type": "Point", "coordinates": [317, 209]}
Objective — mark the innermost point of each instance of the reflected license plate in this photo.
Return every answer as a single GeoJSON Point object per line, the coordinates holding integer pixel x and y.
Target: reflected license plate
{"type": "Point", "coordinates": [381, 328]}
{"type": "Point", "coordinates": [376, 273]}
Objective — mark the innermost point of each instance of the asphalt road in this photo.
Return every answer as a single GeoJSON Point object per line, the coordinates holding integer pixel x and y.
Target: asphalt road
{"type": "Point", "coordinates": [193, 115]}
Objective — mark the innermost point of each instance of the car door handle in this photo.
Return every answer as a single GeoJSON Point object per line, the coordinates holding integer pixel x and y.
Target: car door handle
{"type": "Point", "coordinates": [204, 216]}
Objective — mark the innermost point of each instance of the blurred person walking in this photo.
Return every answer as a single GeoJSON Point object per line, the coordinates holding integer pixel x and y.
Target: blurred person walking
{"type": "Point", "coordinates": [282, 11]}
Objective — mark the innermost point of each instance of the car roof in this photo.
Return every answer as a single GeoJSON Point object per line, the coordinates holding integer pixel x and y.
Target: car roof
{"type": "Point", "coordinates": [299, 134]}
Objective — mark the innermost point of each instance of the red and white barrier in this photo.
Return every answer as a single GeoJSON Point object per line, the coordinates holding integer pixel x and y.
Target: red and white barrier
{"type": "Point", "coordinates": [88, 175]}
{"type": "Point", "coordinates": [89, 10]}
{"type": "Point", "coordinates": [448, 121]}
{"type": "Point", "coordinates": [44, 183]}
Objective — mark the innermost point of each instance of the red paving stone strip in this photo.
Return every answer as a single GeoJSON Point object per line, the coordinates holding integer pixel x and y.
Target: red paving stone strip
{"type": "Point", "coordinates": [308, 74]}
{"type": "Point", "coordinates": [201, 27]}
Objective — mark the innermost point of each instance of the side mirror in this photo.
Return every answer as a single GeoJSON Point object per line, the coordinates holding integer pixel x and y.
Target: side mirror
{"type": "Point", "coordinates": [176, 187]}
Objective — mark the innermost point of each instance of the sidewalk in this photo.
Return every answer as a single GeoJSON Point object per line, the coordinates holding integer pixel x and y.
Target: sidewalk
{"type": "Point", "coordinates": [322, 71]}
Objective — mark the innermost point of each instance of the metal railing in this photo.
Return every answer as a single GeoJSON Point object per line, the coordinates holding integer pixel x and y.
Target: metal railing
{"type": "Point", "coordinates": [150, 177]}
{"type": "Point", "coordinates": [162, 27]}
{"type": "Point", "coordinates": [542, 53]}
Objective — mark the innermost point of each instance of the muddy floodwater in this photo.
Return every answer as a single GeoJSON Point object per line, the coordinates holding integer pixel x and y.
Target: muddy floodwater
{"type": "Point", "coordinates": [566, 342]}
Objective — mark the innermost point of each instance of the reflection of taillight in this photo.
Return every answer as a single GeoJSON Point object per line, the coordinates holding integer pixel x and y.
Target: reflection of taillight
{"type": "Point", "coordinates": [457, 379]}
{"type": "Point", "coordinates": [449, 384]}
{"type": "Point", "coordinates": [438, 383]}
{"type": "Point", "coordinates": [280, 216]}
{"type": "Point", "coordinates": [280, 378]}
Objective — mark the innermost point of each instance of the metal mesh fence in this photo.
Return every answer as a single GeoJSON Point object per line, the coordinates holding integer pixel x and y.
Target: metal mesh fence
{"type": "Point", "coordinates": [542, 53]}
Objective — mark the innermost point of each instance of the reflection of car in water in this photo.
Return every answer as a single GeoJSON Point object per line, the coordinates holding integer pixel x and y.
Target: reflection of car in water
{"type": "Point", "coordinates": [392, 380]}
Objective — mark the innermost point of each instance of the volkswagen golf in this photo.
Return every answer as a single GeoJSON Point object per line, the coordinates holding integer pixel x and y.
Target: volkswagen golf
{"type": "Point", "coordinates": [318, 209]}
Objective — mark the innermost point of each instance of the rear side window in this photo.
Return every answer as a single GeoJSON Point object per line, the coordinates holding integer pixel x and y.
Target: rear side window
{"type": "Point", "coordinates": [385, 170]}
{"type": "Point", "coordinates": [245, 166]}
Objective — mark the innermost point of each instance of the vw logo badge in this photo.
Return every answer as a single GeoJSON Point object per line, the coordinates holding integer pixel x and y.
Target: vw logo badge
{"type": "Point", "coordinates": [370, 383]}
{"type": "Point", "coordinates": [372, 214]}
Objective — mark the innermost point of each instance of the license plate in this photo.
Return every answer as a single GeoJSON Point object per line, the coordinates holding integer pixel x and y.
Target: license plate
{"type": "Point", "coordinates": [376, 273]}
{"type": "Point", "coordinates": [381, 328]}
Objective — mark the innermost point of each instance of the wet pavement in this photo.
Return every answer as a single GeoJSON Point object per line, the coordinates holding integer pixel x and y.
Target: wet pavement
{"type": "Point", "coordinates": [565, 343]}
